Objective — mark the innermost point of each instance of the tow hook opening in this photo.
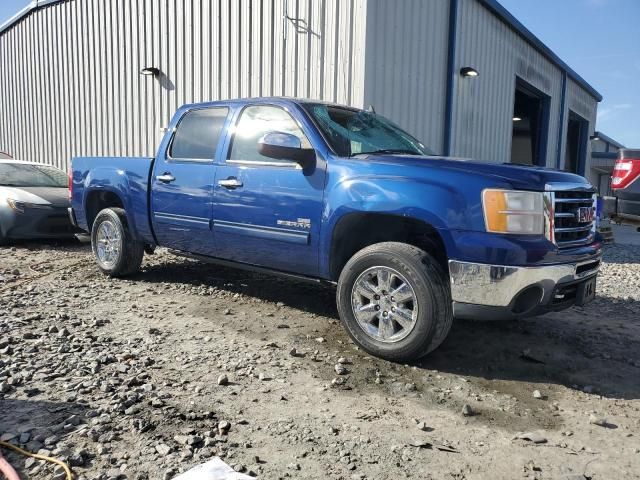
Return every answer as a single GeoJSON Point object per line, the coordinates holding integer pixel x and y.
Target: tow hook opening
{"type": "Point", "coordinates": [527, 300]}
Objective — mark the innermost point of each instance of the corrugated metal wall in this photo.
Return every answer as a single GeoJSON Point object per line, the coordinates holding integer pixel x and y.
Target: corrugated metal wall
{"type": "Point", "coordinates": [406, 65]}
{"type": "Point", "coordinates": [70, 80]}
{"type": "Point", "coordinates": [599, 146]}
{"type": "Point", "coordinates": [582, 104]}
{"type": "Point", "coordinates": [483, 106]}
{"type": "Point", "coordinates": [69, 72]}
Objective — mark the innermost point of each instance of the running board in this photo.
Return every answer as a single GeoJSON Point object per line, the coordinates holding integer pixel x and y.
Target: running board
{"type": "Point", "coordinates": [252, 268]}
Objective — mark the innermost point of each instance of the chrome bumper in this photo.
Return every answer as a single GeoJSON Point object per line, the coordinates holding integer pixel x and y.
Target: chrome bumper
{"type": "Point", "coordinates": [499, 285]}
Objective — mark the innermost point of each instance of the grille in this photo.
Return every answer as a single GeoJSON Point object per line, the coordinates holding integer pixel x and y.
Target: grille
{"type": "Point", "coordinates": [574, 218]}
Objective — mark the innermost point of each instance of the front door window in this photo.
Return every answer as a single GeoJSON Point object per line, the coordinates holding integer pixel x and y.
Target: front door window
{"type": "Point", "coordinates": [256, 121]}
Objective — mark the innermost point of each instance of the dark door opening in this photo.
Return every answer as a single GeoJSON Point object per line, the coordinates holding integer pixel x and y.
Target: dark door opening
{"type": "Point", "coordinates": [576, 149]}
{"type": "Point", "coordinates": [530, 125]}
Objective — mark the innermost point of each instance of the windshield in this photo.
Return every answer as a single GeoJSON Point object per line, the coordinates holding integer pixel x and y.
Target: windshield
{"type": "Point", "coordinates": [27, 175]}
{"type": "Point", "coordinates": [356, 132]}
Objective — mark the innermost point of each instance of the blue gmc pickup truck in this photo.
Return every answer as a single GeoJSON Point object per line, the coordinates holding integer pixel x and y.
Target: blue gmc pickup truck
{"type": "Point", "coordinates": [337, 195]}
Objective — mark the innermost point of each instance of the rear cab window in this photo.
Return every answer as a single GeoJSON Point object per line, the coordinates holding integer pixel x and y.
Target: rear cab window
{"type": "Point", "coordinates": [198, 133]}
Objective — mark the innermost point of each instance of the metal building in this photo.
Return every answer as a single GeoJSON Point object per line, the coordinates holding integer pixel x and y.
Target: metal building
{"type": "Point", "coordinates": [604, 152]}
{"type": "Point", "coordinates": [464, 76]}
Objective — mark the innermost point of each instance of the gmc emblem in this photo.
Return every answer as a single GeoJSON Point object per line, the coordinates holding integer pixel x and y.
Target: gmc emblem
{"type": "Point", "coordinates": [586, 214]}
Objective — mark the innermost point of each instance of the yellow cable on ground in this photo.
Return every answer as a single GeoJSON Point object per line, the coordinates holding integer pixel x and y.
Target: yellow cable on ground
{"type": "Point", "coordinates": [39, 457]}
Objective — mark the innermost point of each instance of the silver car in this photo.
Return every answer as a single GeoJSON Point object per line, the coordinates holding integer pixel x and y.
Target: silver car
{"type": "Point", "coordinates": [34, 199]}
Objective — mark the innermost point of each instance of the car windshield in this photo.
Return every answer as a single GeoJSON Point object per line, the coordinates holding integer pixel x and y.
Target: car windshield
{"type": "Point", "coordinates": [29, 175]}
{"type": "Point", "coordinates": [352, 132]}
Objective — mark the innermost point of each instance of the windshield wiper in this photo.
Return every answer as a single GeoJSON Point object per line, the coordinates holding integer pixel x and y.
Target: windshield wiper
{"type": "Point", "coordinates": [405, 151]}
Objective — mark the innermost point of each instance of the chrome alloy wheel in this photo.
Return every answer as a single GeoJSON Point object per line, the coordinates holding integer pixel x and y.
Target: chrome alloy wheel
{"type": "Point", "coordinates": [108, 244]}
{"type": "Point", "coordinates": [384, 304]}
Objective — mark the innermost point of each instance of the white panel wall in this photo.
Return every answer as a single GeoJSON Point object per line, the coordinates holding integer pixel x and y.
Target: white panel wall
{"type": "Point", "coordinates": [599, 146]}
{"type": "Point", "coordinates": [406, 62]}
{"type": "Point", "coordinates": [70, 82]}
{"type": "Point", "coordinates": [69, 72]}
{"type": "Point", "coordinates": [581, 103]}
{"type": "Point", "coordinates": [483, 106]}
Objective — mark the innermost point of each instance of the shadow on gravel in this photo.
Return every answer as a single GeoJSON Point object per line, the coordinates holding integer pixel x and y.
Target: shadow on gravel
{"type": "Point", "coordinates": [571, 348]}
{"type": "Point", "coordinates": [60, 244]}
{"type": "Point", "coordinates": [39, 419]}
{"type": "Point", "coordinates": [584, 349]}
{"type": "Point", "coordinates": [308, 297]}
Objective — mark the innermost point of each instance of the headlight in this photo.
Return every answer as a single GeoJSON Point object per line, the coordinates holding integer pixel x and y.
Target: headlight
{"type": "Point", "coordinates": [16, 205]}
{"type": "Point", "coordinates": [512, 211]}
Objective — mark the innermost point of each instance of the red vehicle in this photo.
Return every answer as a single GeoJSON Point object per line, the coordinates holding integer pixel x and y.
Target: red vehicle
{"type": "Point", "coordinates": [626, 187]}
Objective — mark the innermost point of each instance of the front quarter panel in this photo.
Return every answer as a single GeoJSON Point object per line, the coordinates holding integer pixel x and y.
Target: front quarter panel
{"type": "Point", "coordinates": [447, 201]}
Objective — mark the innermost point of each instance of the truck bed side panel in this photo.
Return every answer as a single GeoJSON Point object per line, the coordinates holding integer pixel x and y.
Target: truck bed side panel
{"type": "Point", "coordinates": [126, 177]}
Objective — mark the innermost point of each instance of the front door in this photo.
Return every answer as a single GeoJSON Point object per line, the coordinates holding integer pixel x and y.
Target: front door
{"type": "Point", "coordinates": [182, 182]}
{"type": "Point", "coordinates": [267, 212]}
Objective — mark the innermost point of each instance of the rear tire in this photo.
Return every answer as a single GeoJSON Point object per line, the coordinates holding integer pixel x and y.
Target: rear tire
{"type": "Point", "coordinates": [117, 253]}
{"type": "Point", "coordinates": [402, 300]}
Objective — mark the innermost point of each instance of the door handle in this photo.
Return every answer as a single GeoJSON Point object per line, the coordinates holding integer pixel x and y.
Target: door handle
{"type": "Point", "coordinates": [230, 183]}
{"type": "Point", "coordinates": [165, 178]}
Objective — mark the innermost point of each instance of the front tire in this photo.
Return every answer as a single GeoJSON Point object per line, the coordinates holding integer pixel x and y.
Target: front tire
{"type": "Point", "coordinates": [395, 302]}
{"type": "Point", "coordinates": [117, 253]}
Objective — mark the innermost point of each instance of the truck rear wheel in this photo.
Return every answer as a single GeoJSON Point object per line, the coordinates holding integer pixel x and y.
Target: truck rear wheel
{"type": "Point", "coordinates": [117, 253]}
{"type": "Point", "coordinates": [395, 302]}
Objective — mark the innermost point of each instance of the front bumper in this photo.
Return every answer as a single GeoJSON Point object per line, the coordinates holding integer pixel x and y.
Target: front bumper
{"type": "Point", "coordinates": [481, 291]}
{"type": "Point", "coordinates": [41, 222]}
{"type": "Point", "coordinates": [72, 217]}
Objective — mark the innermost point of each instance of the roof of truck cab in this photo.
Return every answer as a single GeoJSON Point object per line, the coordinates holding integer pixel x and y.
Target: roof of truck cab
{"type": "Point", "coordinates": [248, 100]}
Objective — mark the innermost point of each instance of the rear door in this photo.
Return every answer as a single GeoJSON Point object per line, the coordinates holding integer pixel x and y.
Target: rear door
{"type": "Point", "coordinates": [182, 181]}
{"type": "Point", "coordinates": [267, 212]}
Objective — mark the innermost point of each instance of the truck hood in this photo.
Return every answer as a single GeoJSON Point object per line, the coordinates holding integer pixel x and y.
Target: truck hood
{"type": "Point", "coordinates": [520, 177]}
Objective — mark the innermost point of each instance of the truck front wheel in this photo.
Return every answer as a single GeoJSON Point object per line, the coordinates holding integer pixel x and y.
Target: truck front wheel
{"type": "Point", "coordinates": [395, 302]}
{"type": "Point", "coordinates": [117, 253]}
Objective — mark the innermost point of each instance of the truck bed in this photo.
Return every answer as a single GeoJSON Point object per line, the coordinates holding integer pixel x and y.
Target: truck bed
{"type": "Point", "coordinates": [125, 177]}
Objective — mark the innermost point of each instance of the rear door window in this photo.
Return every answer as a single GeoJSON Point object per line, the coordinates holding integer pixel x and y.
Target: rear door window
{"type": "Point", "coordinates": [198, 133]}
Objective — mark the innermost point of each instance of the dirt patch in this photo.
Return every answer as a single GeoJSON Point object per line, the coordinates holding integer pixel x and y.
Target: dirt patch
{"type": "Point", "coordinates": [121, 377]}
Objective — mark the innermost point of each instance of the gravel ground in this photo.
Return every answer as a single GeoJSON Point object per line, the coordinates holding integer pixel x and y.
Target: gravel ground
{"type": "Point", "coordinates": [146, 377]}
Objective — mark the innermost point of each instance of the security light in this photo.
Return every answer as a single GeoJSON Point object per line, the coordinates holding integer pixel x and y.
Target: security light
{"type": "Point", "coordinates": [516, 119]}
{"type": "Point", "coordinates": [469, 72]}
{"type": "Point", "coordinates": [150, 71]}
{"type": "Point", "coordinates": [594, 137]}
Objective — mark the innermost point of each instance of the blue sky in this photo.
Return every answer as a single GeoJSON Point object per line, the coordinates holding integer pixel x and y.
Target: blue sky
{"type": "Point", "coordinates": [8, 8]}
{"type": "Point", "coordinates": [599, 39]}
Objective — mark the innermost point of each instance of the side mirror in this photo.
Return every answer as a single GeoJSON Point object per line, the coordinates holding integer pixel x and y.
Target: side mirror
{"type": "Point", "coordinates": [284, 146]}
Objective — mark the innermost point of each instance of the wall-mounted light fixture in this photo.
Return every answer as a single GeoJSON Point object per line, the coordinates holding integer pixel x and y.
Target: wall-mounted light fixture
{"type": "Point", "coordinates": [594, 137]}
{"type": "Point", "coordinates": [517, 119]}
{"type": "Point", "coordinates": [469, 72]}
{"type": "Point", "coordinates": [153, 71]}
